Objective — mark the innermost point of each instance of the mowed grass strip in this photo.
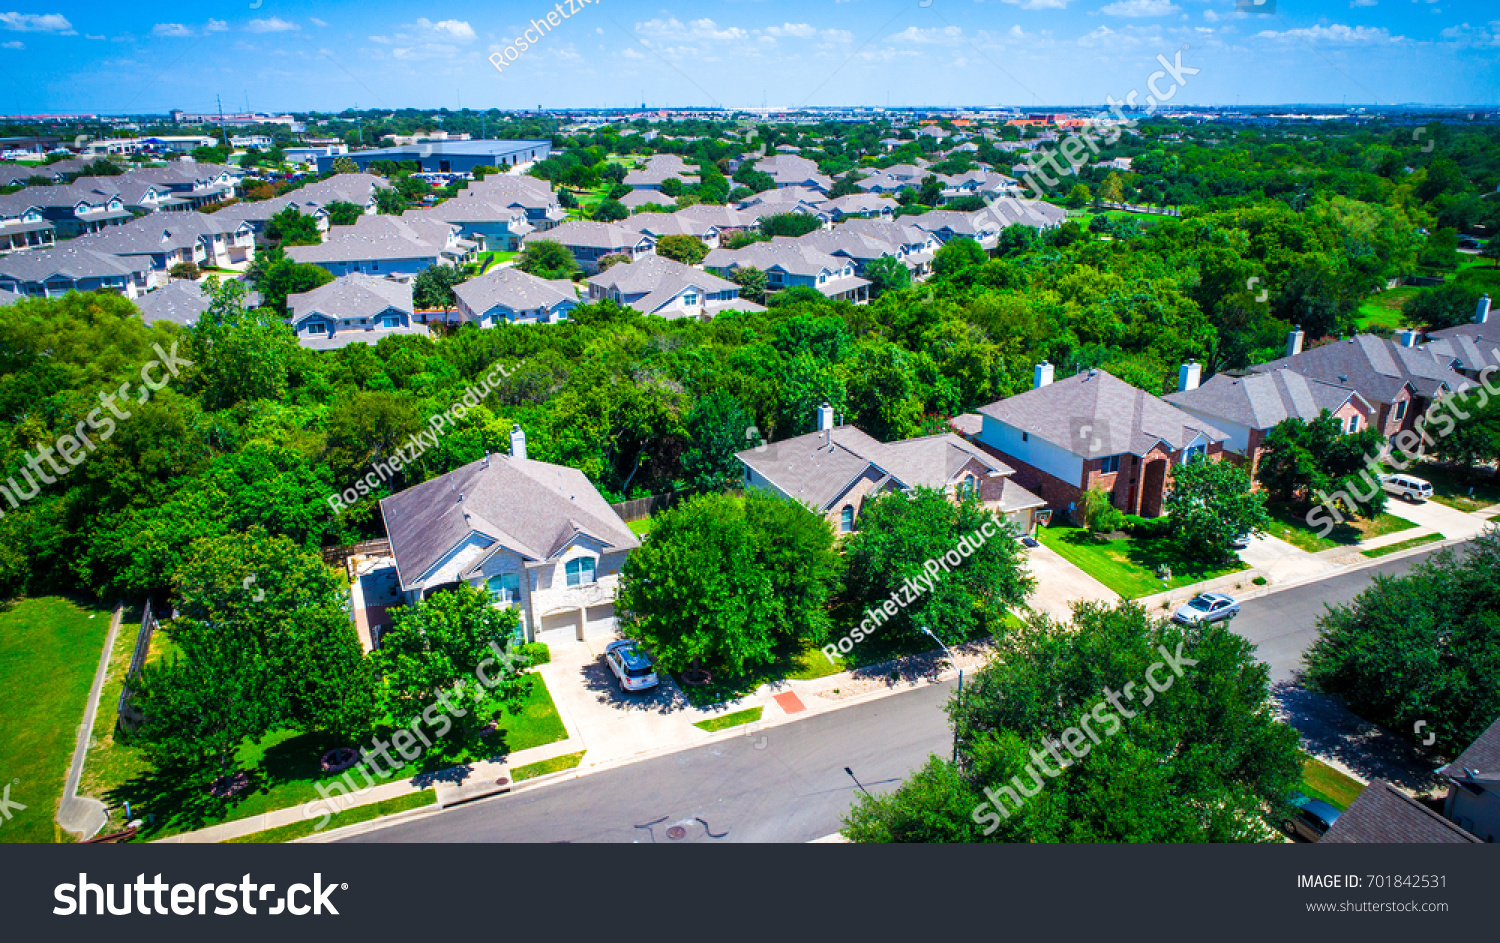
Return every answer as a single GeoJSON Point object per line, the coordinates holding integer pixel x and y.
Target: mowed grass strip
{"type": "Point", "coordinates": [726, 721]}
{"type": "Point", "coordinates": [1403, 545]}
{"type": "Point", "coordinates": [49, 650]}
{"type": "Point", "coordinates": [555, 765]}
{"type": "Point", "coordinates": [359, 813]}
{"type": "Point", "coordinates": [1321, 781]}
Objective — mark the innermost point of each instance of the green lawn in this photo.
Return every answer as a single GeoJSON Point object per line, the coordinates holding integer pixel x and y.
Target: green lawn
{"type": "Point", "coordinates": [1384, 309]}
{"type": "Point", "coordinates": [555, 765]}
{"type": "Point", "coordinates": [1321, 781]}
{"type": "Point", "coordinates": [641, 527]}
{"type": "Point", "coordinates": [1458, 488]}
{"type": "Point", "coordinates": [352, 816]}
{"type": "Point", "coordinates": [284, 767]}
{"type": "Point", "coordinates": [1290, 525]}
{"type": "Point", "coordinates": [49, 650]}
{"type": "Point", "coordinates": [725, 721]}
{"type": "Point", "coordinates": [1403, 545]}
{"type": "Point", "coordinates": [1129, 566]}
{"type": "Point", "coordinates": [488, 260]}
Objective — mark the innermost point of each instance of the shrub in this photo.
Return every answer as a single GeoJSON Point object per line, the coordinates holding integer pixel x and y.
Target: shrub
{"type": "Point", "coordinates": [536, 653]}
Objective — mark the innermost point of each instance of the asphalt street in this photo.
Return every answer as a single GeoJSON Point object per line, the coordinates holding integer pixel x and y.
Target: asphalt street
{"type": "Point", "coordinates": [788, 783]}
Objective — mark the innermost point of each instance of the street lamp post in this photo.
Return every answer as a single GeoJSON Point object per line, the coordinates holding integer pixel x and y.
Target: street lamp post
{"type": "Point", "coordinates": [951, 658]}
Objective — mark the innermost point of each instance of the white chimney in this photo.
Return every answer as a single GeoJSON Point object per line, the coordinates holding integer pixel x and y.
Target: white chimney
{"type": "Point", "coordinates": [1294, 341]}
{"type": "Point", "coordinates": [517, 441]}
{"type": "Point", "coordinates": [825, 417]}
{"type": "Point", "coordinates": [1042, 375]}
{"type": "Point", "coordinates": [1482, 312]}
{"type": "Point", "coordinates": [1188, 376]}
{"type": "Point", "coordinates": [1407, 338]}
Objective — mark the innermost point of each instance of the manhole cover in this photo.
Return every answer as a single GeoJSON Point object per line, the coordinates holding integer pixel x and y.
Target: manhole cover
{"type": "Point", "coordinates": [503, 781]}
{"type": "Point", "coordinates": [677, 833]}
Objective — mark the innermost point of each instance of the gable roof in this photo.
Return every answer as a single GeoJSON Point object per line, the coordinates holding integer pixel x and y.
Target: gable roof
{"type": "Point", "coordinates": [1472, 346]}
{"type": "Point", "coordinates": [659, 169]}
{"type": "Point", "coordinates": [68, 260]}
{"type": "Point", "coordinates": [1482, 757]}
{"type": "Point", "coordinates": [591, 235]}
{"type": "Point", "coordinates": [533, 508]}
{"type": "Point", "coordinates": [658, 279]}
{"type": "Point", "coordinates": [793, 257]}
{"type": "Point", "coordinates": [1376, 367]}
{"type": "Point", "coordinates": [350, 296]}
{"type": "Point", "coordinates": [1381, 813]}
{"type": "Point", "coordinates": [1122, 418]}
{"type": "Point", "coordinates": [513, 289]}
{"type": "Point", "coordinates": [1261, 400]}
{"type": "Point", "coordinates": [819, 467]}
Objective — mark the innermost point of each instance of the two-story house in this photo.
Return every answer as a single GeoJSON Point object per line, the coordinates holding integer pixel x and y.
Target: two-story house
{"type": "Point", "coordinates": [1474, 786]}
{"type": "Point", "coordinates": [589, 242]}
{"type": "Point", "coordinates": [352, 309]}
{"type": "Point", "coordinates": [535, 536]}
{"type": "Point", "coordinates": [661, 286]}
{"type": "Point", "coordinates": [511, 296]}
{"type": "Point", "coordinates": [788, 264]}
{"type": "Point", "coordinates": [55, 271]}
{"type": "Point", "coordinates": [387, 246]}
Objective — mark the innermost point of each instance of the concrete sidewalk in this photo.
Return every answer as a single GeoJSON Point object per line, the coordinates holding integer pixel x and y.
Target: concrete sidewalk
{"type": "Point", "coordinates": [81, 815]}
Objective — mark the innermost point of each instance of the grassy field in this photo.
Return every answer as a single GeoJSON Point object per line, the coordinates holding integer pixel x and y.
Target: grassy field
{"type": "Point", "coordinates": [351, 816]}
{"type": "Point", "coordinates": [1403, 545]}
{"type": "Point", "coordinates": [725, 721]}
{"type": "Point", "coordinates": [555, 765]}
{"type": "Point", "coordinates": [1290, 525]}
{"type": "Point", "coordinates": [1321, 781]}
{"type": "Point", "coordinates": [49, 650]}
{"type": "Point", "coordinates": [1129, 566]}
{"type": "Point", "coordinates": [1460, 489]}
{"type": "Point", "coordinates": [283, 766]}
{"type": "Point", "coordinates": [1384, 309]}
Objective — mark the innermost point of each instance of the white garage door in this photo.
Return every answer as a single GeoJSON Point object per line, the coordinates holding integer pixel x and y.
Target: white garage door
{"type": "Point", "coordinates": [600, 621]}
{"type": "Point", "coordinates": [559, 628]}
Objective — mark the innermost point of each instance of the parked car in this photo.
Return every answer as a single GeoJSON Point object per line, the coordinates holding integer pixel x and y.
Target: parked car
{"type": "Point", "coordinates": [631, 665]}
{"type": "Point", "coordinates": [1206, 607]}
{"type": "Point", "coordinates": [1241, 541]}
{"type": "Point", "coordinates": [1313, 818]}
{"type": "Point", "coordinates": [1407, 487]}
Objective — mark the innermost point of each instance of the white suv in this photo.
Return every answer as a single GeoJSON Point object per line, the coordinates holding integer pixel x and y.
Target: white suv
{"type": "Point", "coordinates": [1408, 487]}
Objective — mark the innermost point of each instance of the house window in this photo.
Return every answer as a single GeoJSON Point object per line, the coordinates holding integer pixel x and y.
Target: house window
{"type": "Point", "coordinates": [1110, 464]}
{"type": "Point", "coordinates": [390, 320]}
{"type": "Point", "coordinates": [1025, 437]}
{"type": "Point", "coordinates": [505, 588]}
{"type": "Point", "coordinates": [580, 571]}
{"type": "Point", "coordinates": [1401, 410]}
{"type": "Point", "coordinates": [968, 487]}
{"type": "Point", "coordinates": [1192, 453]}
{"type": "Point", "coordinates": [846, 519]}
{"type": "Point", "coordinates": [691, 298]}
{"type": "Point", "coordinates": [1353, 424]}
{"type": "Point", "coordinates": [317, 327]}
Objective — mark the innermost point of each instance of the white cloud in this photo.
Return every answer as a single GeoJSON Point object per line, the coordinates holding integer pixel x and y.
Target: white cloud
{"type": "Point", "coordinates": [273, 25]}
{"type": "Point", "coordinates": [37, 23]}
{"type": "Point", "coordinates": [1467, 35]}
{"type": "Point", "coordinates": [1363, 3]}
{"type": "Point", "coordinates": [215, 26]}
{"type": "Point", "coordinates": [425, 51]}
{"type": "Point", "coordinates": [1140, 8]}
{"type": "Point", "coordinates": [1039, 4]}
{"type": "Point", "coordinates": [315, 21]}
{"type": "Point", "coordinates": [630, 52]}
{"type": "Point", "coordinates": [672, 29]}
{"type": "Point", "coordinates": [453, 29]}
{"type": "Point", "coordinates": [91, 36]}
{"type": "Point", "coordinates": [1211, 16]}
{"type": "Point", "coordinates": [172, 30]}
{"type": "Point", "coordinates": [13, 44]}
{"type": "Point", "coordinates": [937, 35]}
{"type": "Point", "coordinates": [1337, 33]}
{"type": "Point", "coordinates": [799, 30]}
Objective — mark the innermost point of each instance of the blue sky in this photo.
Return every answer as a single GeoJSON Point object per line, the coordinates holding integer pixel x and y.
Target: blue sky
{"type": "Point", "coordinates": [330, 54]}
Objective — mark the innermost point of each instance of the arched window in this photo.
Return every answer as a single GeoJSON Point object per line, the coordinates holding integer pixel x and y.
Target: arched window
{"type": "Point", "coordinates": [846, 519]}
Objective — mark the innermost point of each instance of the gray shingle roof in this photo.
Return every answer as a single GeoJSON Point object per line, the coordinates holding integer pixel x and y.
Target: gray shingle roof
{"type": "Point", "coordinates": [608, 236]}
{"type": "Point", "coordinates": [1261, 400]}
{"type": "Point", "coordinates": [180, 301]}
{"type": "Point", "coordinates": [818, 467]}
{"type": "Point", "coordinates": [660, 279]}
{"type": "Point", "coordinates": [1382, 814]}
{"type": "Point", "coordinates": [351, 296]}
{"type": "Point", "coordinates": [68, 260]}
{"type": "Point", "coordinates": [533, 508]}
{"type": "Point", "coordinates": [1476, 346]}
{"type": "Point", "coordinates": [1120, 417]}
{"type": "Point", "coordinates": [512, 288]}
{"type": "Point", "coordinates": [1482, 756]}
{"type": "Point", "coordinates": [793, 257]}
{"type": "Point", "coordinates": [1376, 367]}
{"type": "Point", "coordinates": [660, 168]}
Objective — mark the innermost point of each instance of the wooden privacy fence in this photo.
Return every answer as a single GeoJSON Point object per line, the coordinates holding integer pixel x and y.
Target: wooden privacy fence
{"type": "Point", "coordinates": [645, 507]}
{"type": "Point", "coordinates": [337, 555]}
{"type": "Point", "coordinates": [126, 715]}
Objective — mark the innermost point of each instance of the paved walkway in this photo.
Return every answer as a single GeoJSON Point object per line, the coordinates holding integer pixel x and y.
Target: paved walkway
{"type": "Point", "coordinates": [79, 814]}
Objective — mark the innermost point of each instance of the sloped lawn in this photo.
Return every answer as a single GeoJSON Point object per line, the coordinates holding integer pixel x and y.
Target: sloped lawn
{"type": "Point", "coordinates": [1129, 565]}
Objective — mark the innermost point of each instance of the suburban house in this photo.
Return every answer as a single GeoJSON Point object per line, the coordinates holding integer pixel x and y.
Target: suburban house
{"type": "Point", "coordinates": [1383, 814]}
{"type": "Point", "coordinates": [310, 200]}
{"type": "Point", "coordinates": [848, 244]}
{"type": "Point", "coordinates": [789, 170]}
{"type": "Point", "coordinates": [511, 296]}
{"type": "Point", "coordinates": [1399, 380]}
{"type": "Point", "coordinates": [788, 264]}
{"type": "Point", "coordinates": [78, 208]}
{"type": "Point", "coordinates": [22, 223]}
{"type": "Point", "coordinates": [917, 245]}
{"type": "Point", "coordinates": [727, 219]}
{"type": "Point", "coordinates": [1466, 349]}
{"type": "Point", "coordinates": [790, 200]}
{"type": "Point", "coordinates": [657, 225]}
{"type": "Point", "coordinates": [978, 183]}
{"type": "Point", "coordinates": [448, 156]}
{"type": "Point", "coordinates": [1474, 786]}
{"type": "Point", "coordinates": [1092, 430]}
{"type": "Point", "coordinates": [656, 285]}
{"type": "Point", "coordinates": [535, 536]}
{"type": "Point", "coordinates": [493, 227]}
{"type": "Point", "coordinates": [1246, 408]}
{"type": "Point", "coordinates": [52, 273]}
{"type": "Point", "coordinates": [834, 468]}
{"type": "Point", "coordinates": [352, 309]}
{"type": "Point", "coordinates": [160, 242]}
{"type": "Point", "coordinates": [860, 204]}
{"type": "Point", "coordinates": [589, 242]}
{"type": "Point", "coordinates": [658, 170]}
{"type": "Point", "coordinates": [636, 200]}
{"type": "Point", "coordinates": [387, 245]}
{"type": "Point", "coordinates": [180, 301]}
{"type": "Point", "coordinates": [529, 195]}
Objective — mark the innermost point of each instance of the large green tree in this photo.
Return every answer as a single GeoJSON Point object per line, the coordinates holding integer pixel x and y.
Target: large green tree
{"type": "Point", "coordinates": [1210, 504]}
{"type": "Point", "coordinates": [546, 259]}
{"type": "Point", "coordinates": [240, 354]}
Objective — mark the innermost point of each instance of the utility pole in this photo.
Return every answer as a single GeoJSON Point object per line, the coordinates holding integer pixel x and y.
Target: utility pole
{"type": "Point", "coordinates": [223, 131]}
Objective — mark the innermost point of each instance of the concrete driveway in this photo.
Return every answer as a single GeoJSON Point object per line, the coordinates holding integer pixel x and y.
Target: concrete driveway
{"type": "Point", "coordinates": [1282, 562]}
{"type": "Point", "coordinates": [1450, 522]}
{"type": "Point", "coordinates": [1059, 584]}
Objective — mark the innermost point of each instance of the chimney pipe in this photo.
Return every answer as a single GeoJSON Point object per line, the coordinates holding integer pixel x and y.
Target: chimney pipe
{"type": "Point", "coordinates": [1482, 312]}
{"type": "Point", "coordinates": [517, 441]}
{"type": "Point", "coordinates": [1294, 341]}
{"type": "Point", "coordinates": [1188, 376]}
{"type": "Point", "coordinates": [1042, 375]}
{"type": "Point", "coordinates": [825, 417]}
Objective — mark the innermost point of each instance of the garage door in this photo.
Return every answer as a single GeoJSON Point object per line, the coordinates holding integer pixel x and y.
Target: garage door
{"type": "Point", "coordinates": [600, 621]}
{"type": "Point", "coordinates": [559, 628]}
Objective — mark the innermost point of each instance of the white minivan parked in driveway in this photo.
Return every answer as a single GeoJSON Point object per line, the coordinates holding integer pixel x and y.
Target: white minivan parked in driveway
{"type": "Point", "coordinates": [1408, 487]}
